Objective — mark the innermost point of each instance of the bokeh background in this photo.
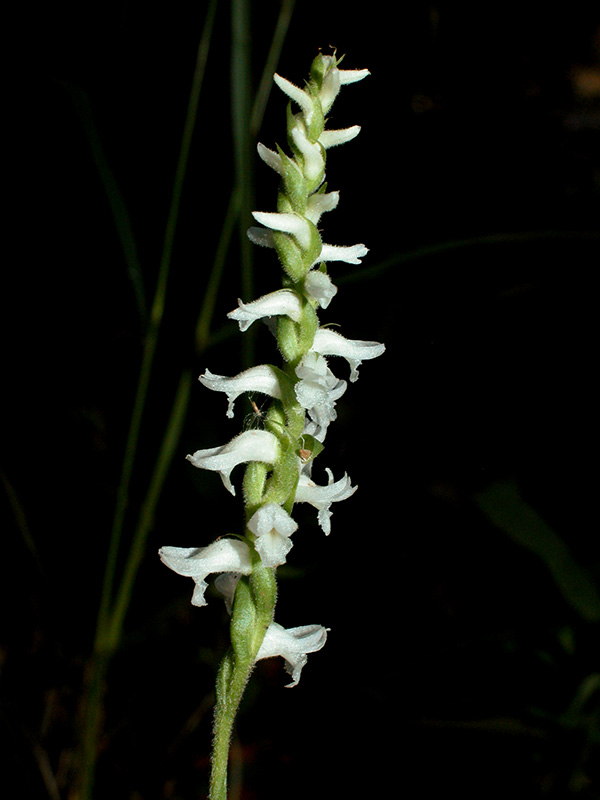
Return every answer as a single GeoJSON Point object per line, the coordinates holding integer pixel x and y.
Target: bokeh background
{"type": "Point", "coordinates": [460, 582]}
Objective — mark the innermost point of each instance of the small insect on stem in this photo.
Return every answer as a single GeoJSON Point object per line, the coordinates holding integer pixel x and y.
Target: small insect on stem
{"type": "Point", "coordinates": [256, 418]}
{"type": "Point", "coordinates": [304, 454]}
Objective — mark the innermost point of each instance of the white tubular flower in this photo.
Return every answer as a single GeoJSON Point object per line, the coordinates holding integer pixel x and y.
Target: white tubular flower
{"type": "Point", "coordinates": [293, 224]}
{"type": "Point", "coordinates": [333, 138]}
{"type": "Point", "coordinates": [321, 497]}
{"type": "Point", "coordinates": [312, 154]}
{"type": "Point", "coordinates": [317, 392]}
{"type": "Point", "coordinates": [260, 379]}
{"type": "Point", "coordinates": [319, 203]}
{"type": "Point", "coordinates": [351, 254]}
{"type": "Point", "coordinates": [293, 644]}
{"type": "Point", "coordinates": [272, 526]}
{"type": "Point", "coordinates": [296, 94]}
{"type": "Point", "coordinates": [224, 555]}
{"type": "Point", "coordinates": [248, 446]}
{"type": "Point", "coordinates": [336, 78]}
{"type": "Point", "coordinates": [319, 286]}
{"type": "Point", "coordinates": [270, 157]}
{"type": "Point", "coordinates": [283, 302]}
{"type": "Point", "coordinates": [330, 343]}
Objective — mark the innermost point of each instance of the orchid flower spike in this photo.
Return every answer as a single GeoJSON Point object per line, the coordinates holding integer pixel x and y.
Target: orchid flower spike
{"type": "Point", "coordinates": [304, 393]}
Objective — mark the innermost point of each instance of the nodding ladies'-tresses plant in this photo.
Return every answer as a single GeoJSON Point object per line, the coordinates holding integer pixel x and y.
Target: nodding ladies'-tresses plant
{"type": "Point", "coordinates": [303, 392]}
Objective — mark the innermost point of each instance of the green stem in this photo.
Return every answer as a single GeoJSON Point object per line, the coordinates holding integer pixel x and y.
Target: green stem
{"type": "Point", "coordinates": [252, 614]}
{"type": "Point", "coordinates": [231, 682]}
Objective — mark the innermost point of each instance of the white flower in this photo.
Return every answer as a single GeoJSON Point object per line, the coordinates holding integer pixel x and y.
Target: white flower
{"type": "Point", "coordinates": [334, 138]}
{"type": "Point", "coordinates": [294, 92]}
{"type": "Point", "coordinates": [272, 526]}
{"type": "Point", "coordinates": [293, 224]}
{"type": "Point", "coordinates": [248, 446]}
{"type": "Point", "coordinates": [271, 158]}
{"type": "Point", "coordinates": [317, 392]}
{"type": "Point", "coordinates": [313, 162]}
{"type": "Point", "coordinates": [293, 644]}
{"type": "Point", "coordinates": [319, 286]}
{"type": "Point", "coordinates": [320, 202]}
{"type": "Point", "coordinates": [330, 343]}
{"type": "Point", "coordinates": [283, 302]}
{"type": "Point", "coordinates": [351, 254]}
{"type": "Point", "coordinates": [262, 379]}
{"type": "Point", "coordinates": [334, 79]}
{"type": "Point", "coordinates": [321, 497]}
{"type": "Point", "coordinates": [224, 555]}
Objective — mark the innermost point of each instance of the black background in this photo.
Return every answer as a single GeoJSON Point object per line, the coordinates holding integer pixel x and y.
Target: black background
{"type": "Point", "coordinates": [452, 656]}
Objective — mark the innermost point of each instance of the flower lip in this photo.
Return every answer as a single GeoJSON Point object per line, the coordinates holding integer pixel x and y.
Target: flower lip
{"type": "Point", "coordinates": [319, 286]}
{"type": "Point", "coordinates": [272, 527]}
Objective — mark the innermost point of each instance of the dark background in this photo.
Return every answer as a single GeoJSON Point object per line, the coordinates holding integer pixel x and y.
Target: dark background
{"type": "Point", "coordinates": [454, 662]}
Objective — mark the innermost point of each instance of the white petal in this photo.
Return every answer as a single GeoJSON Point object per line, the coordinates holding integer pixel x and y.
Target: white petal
{"type": "Point", "coordinates": [352, 75]}
{"type": "Point", "coordinates": [294, 224]}
{"type": "Point", "coordinates": [270, 157]}
{"type": "Point", "coordinates": [272, 526]}
{"type": "Point", "coordinates": [320, 203]}
{"type": "Point", "coordinates": [262, 379]}
{"type": "Point", "coordinates": [351, 254]}
{"type": "Point", "coordinates": [313, 161]}
{"type": "Point", "coordinates": [303, 99]}
{"type": "Point", "coordinates": [330, 87]}
{"type": "Point", "coordinates": [283, 302]}
{"type": "Point", "coordinates": [224, 555]}
{"type": "Point", "coordinates": [330, 343]}
{"type": "Point", "coordinates": [321, 497]}
{"type": "Point", "coordinates": [333, 138]}
{"type": "Point", "coordinates": [319, 286]}
{"type": "Point", "coordinates": [248, 446]}
{"type": "Point", "coordinates": [293, 644]}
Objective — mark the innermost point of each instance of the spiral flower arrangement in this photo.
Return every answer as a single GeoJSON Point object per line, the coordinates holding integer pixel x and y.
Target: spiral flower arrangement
{"type": "Point", "coordinates": [303, 393]}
